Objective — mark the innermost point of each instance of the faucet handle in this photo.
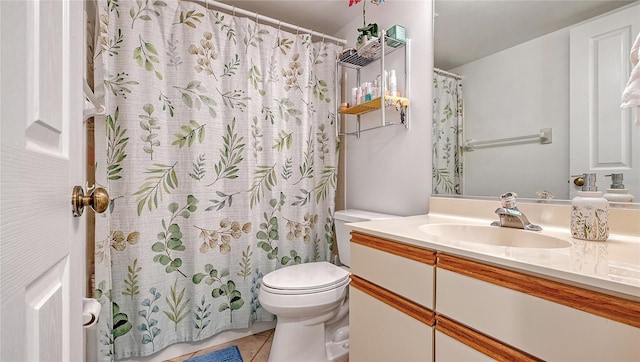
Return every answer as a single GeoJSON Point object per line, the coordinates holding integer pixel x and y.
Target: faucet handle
{"type": "Point", "coordinates": [508, 200]}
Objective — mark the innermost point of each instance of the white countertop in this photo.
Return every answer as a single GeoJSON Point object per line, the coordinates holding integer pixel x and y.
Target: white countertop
{"type": "Point", "coordinates": [611, 267]}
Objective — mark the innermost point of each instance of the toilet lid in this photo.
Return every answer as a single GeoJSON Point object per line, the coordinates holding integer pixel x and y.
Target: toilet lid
{"type": "Point", "coordinates": [309, 277]}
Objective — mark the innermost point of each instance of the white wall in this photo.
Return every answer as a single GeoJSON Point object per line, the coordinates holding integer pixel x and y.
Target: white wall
{"type": "Point", "coordinates": [389, 169]}
{"type": "Point", "coordinates": [517, 92]}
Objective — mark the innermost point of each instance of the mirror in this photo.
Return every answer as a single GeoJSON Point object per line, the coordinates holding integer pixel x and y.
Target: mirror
{"type": "Point", "coordinates": [522, 49]}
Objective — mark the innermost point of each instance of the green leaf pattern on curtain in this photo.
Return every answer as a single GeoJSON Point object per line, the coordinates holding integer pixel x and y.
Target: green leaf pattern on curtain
{"type": "Point", "coordinates": [447, 169]}
{"type": "Point", "coordinates": [219, 152]}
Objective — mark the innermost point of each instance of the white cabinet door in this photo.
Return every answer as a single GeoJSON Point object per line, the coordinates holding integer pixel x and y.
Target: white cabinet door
{"type": "Point", "coordinates": [42, 153]}
{"type": "Point", "coordinates": [379, 332]}
{"type": "Point", "coordinates": [603, 139]}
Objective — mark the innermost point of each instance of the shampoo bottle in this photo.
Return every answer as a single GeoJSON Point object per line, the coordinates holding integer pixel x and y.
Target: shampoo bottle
{"type": "Point", "coordinates": [590, 212]}
{"type": "Point", "coordinates": [393, 85]}
{"type": "Point", "coordinates": [617, 192]}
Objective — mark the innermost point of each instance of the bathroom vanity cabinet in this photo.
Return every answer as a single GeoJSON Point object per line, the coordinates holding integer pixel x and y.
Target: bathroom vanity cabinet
{"type": "Point", "coordinates": [391, 299]}
{"type": "Point", "coordinates": [479, 311]}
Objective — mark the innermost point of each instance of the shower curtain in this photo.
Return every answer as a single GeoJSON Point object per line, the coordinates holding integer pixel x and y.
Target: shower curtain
{"type": "Point", "coordinates": [447, 165]}
{"type": "Point", "coordinates": [219, 153]}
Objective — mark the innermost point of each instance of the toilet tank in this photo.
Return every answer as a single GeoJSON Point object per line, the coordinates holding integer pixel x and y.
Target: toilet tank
{"type": "Point", "coordinates": [342, 235]}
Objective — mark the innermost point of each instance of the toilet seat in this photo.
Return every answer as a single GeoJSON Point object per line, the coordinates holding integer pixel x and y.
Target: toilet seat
{"type": "Point", "coordinates": [305, 279]}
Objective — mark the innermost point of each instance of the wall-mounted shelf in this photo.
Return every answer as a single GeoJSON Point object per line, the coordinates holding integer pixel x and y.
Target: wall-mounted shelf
{"type": "Point", "coordinates": [375, 104]}
{"type": "Point", "coordinates": [369, 53]}
{"type": "Point", "coordinates": [376, 50]}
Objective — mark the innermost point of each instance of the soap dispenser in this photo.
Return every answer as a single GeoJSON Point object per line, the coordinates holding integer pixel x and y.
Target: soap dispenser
{"type": "Point", "coordinates": [590, 212]}
{"type": "Point", "coordinates": [617, 192]}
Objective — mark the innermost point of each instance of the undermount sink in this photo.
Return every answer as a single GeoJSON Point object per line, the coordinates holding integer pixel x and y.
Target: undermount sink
{"type": "Point", "coordinates": [493, 235]}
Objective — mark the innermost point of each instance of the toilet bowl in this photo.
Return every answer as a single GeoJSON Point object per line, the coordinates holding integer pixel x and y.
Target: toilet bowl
{"type": "Point", "coordinates": [310, 302]}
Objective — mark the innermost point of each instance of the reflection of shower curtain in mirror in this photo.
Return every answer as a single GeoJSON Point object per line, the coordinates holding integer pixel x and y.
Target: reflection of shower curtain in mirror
{"type": "Point", "coordinates": [447, 135]}
{"type": "Point", "coordinates": [219, 153]}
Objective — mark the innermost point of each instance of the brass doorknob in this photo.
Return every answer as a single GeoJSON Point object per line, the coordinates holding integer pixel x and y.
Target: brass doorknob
{"type": "Point", "coordinates": [578, 181]}
{"type": "Point", "coordinates": [98, 200]}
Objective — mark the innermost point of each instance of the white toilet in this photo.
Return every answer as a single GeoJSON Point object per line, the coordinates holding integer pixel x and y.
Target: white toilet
{"type": "Point", "coordinates": [310, 301]}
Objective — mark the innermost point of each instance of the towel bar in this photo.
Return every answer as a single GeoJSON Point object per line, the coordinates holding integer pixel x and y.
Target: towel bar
{"type": "Point", "coordinates": [544, 136]}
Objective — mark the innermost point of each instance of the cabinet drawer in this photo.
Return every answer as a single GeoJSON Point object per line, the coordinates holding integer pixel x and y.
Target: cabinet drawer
{"type": "Point", "coordinates": [405, 270]}
{"type": "Point", "coordinates": [379, 332]}
{"type": "Point", "coordinates": [547, 330]}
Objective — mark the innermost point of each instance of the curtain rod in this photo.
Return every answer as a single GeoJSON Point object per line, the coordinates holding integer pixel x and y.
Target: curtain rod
{"type": "Point", "coordinates": [266, 19]}
{"type": "Point", "coordinates": [447, 73]}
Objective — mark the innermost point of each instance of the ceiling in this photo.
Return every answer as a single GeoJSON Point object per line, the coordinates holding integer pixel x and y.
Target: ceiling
{"type": "Point", "coordinates": [465, 30]}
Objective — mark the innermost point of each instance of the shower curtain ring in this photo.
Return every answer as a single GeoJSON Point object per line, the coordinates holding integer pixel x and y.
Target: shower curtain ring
{"type": "Point", "coordinates": [323, 35]}
{"type": "Point", "coordinates": [257, 18]}
{"type": "Point", "coordinates": [233, 12]}
{"type": "Point", "coordinates": [297, 30]}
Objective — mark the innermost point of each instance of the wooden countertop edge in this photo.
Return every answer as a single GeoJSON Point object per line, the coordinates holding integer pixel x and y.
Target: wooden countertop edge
{"type": "Point", "coordinates": [393, 247]}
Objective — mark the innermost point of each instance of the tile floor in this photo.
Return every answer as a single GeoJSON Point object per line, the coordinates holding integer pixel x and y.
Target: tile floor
{"type": "Point", "coordinates": [254, 348]}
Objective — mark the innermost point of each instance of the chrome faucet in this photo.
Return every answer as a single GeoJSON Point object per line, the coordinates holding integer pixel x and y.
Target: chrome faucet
{"type": "Point", "coordinates": [510, 216]}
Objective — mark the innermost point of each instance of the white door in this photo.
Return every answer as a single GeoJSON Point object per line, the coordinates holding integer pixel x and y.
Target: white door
{"type": "Point", "coordinates": [41, 158]}
{"type": "Point", "coordinates": [604, 139]}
